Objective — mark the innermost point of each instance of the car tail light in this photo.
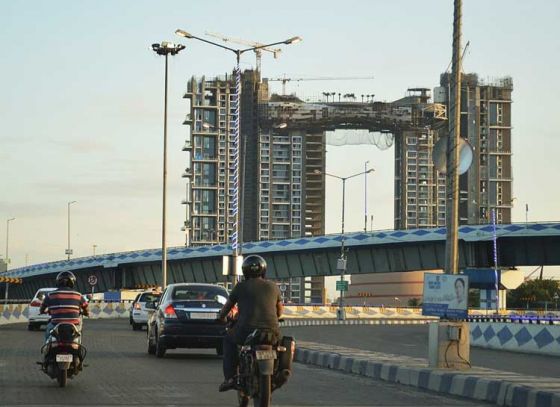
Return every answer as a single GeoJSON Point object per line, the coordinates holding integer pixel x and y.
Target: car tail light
{"type": "Point", "coordinates": [137, 306]}
{"type": "Point", "coordinates": [169, 312]}
{"type": "Point", "coordinates": [36, 303]}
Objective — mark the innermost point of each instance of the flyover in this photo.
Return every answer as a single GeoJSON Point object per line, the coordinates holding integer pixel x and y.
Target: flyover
{"type": "Point", "coordinates": [521, 244]}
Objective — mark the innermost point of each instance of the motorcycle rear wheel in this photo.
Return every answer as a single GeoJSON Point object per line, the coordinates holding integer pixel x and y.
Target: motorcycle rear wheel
{"type": "Point", "coordinates": [62, 377]}
{"type": "Point", "coordinates": [263, 398]}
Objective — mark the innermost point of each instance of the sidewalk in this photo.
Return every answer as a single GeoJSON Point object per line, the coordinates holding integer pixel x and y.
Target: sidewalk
{"type": "Point", "coordinates": [498, 387]}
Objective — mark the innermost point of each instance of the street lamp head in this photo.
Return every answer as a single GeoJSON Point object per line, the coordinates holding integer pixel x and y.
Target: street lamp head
{"type": "Point", "coordinates": [282, 125]}
{"type": "Point", "coordinates": [293, 40]}
{"type": "Point", "coordinates": [317, 172]}
{"type": "Point", "coordinates": [183, 33]}
{"type": "Point", "coordinates": [167, 47]}
{"type": "Point", "coordinates": [370, 170]}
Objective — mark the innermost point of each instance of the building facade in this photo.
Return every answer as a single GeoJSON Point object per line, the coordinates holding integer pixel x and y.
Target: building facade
{"type": "Point", "coordinates": [420, 190]}
{"type": "Point", "coordinates": [274, 165]}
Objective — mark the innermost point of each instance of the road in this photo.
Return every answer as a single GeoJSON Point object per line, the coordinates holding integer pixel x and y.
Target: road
{"type": "Point", "coordinates": [121, 373]}
{"type": "Point", "coordinates": [412, 340]}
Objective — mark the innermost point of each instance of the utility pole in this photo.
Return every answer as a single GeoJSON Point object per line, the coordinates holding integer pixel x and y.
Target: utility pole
{"type": "Point", "coordinates": [452, 205]}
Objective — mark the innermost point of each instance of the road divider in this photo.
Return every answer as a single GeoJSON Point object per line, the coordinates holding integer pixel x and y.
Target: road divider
{"type": "Point", "coordinates": [498, 387]}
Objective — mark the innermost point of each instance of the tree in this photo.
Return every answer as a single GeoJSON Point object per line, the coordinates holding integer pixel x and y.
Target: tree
{"type": "Point", "coordinates": [414, 302]}
{"type": "Point", "coordinates": [533, 291]}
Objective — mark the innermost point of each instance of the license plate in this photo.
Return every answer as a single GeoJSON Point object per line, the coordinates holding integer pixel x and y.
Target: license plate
{"type": "Point", "coordinates": [265, 354]}
{"type": "Point", "coordinates": [64, 358]}
{"type": "Point", "coordinates": [203, 315]}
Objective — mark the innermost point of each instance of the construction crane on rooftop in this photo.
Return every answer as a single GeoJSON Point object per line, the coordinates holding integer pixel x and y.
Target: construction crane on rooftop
{"type": "Point", "coordinates": [284, 80]}
{"type": "Point", "coordinates": [258, 52]}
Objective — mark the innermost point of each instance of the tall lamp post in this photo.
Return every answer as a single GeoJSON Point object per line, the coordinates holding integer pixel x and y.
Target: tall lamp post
{"type": "Point", "coordinates": [234, 166]}
{"type": "Point", "coordinates": [365, 195]}
{"type": "Point", "coordinates": [7, 240]}
{"type": "Point", "coordinates": [165, 48]}
{"type": "Point", "coordinates": [341, 264]}
{"type": "Point", "coordinates": [68, 249]}
{"type": "Point", "coordinates": [7, 256]}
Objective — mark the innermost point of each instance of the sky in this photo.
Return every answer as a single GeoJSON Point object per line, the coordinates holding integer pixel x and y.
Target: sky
{"type": "Point", "coordinates": [81, 111]}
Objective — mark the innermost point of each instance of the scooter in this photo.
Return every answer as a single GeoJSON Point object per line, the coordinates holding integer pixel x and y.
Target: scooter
{"type": "Point", "coordinates": [63, 353]}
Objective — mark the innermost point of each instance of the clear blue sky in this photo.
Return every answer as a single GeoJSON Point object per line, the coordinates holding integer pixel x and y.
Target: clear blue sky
{"type": "Point", "coordinates": [82, 102]}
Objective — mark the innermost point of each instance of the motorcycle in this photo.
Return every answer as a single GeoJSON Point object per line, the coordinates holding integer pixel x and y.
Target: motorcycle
{"type": "Point", "coordinates": [63, 353]}
{"type": "Point", "coordinates": [265, 364]}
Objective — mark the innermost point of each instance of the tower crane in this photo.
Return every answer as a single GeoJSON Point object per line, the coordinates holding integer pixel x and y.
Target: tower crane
{"type": "Point", "coordinates": [258, 52]}
{"type": "Point", "coordinates": [284, 80]}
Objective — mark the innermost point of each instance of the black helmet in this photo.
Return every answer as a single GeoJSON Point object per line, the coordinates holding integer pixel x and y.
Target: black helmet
{"type": "Point", "coordinates": [254, 266]}
{"type": "Point", "coordinates": [65, 279]}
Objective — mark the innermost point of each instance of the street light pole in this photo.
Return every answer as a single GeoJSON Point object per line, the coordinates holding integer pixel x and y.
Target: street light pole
{"type": "Point", "coordinates": [7, 258]}
{"type": "Point", "coordinates": [234, 166]}
{"type": "Point", "coordinates": [69, 250]}
{"type": "Point", "coordinates": [365, 196]}
{"type": "Point", "coordinates": [7, 240]}
{"type": "Point", "coordinates": [341, 263]}
{"type": "Point", "coordinates": [165, 48]}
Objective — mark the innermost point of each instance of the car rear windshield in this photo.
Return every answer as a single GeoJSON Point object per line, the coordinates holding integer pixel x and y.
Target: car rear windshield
{"type": "Point", "coordinates": [148, 297]}
{"type": "Point", "coordinates": [188, 293]}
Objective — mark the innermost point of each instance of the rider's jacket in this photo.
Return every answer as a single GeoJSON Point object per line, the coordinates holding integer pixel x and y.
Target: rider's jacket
{"type": "Point", "coordinates": [64, 305]}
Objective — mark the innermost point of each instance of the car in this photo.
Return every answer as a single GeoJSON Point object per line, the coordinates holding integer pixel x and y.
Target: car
{"type": "Point", "coordinates": [138, 312]}
{"type": "Point", "coordinates": [35, 319]}
{"type": "Point", "coordinates": [186, 317]}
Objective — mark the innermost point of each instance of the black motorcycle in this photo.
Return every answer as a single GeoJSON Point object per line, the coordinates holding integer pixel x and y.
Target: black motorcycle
{"type": "Point", "coordinates": [265, 364]}
{"type": "Point", "coordinates": [63, 354]}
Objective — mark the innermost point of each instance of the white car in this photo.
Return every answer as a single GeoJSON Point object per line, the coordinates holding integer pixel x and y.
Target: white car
{"type": "Point", "coordinates": [36, 319]}
{"type": "Point", "coordinates": [138, 313]}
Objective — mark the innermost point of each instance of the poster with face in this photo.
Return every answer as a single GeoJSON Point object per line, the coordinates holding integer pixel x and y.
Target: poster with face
{"type": "Point", "coordinates": [445, 295]}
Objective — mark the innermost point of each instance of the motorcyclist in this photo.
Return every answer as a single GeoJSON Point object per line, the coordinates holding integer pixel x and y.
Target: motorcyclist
{"type": "Point", "coordinates": [64, 304]}
{"type": "Point", "coordinates": [259, 307]}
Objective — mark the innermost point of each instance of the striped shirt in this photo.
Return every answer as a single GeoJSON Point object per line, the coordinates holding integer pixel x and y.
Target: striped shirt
{"type": "Point", "coordinates": [64, 305]}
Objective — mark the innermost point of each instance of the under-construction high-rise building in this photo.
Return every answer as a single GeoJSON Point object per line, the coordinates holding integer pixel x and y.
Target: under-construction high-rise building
{"type": "Point", "coordinates": [273, 167]}
{"type": "Point", "coordinates": [420, 193]}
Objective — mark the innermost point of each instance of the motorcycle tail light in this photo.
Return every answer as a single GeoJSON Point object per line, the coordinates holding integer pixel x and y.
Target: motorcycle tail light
{"type": "Point", "coordinates": [169, 312]}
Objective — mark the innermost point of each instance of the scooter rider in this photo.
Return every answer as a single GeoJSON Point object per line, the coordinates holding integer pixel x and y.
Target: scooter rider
{"type": "Point", "coordinates": [64, 304]}
{"type": "Point", "coordinates": [259, 304]}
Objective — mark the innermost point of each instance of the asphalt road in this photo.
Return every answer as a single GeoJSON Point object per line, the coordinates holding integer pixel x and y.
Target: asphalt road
{"type": "Point", "coordinates": [120, 372]}
{"type": "Point", "coordinates": [412, 340]}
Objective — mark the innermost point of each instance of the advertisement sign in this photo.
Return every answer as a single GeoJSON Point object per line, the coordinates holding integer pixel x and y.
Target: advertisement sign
{"type": "Point", "coordinates": [445, 295]}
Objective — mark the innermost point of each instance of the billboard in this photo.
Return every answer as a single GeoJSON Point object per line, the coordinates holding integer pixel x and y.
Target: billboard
{"type": "Point", "coordinates": [445, 295]}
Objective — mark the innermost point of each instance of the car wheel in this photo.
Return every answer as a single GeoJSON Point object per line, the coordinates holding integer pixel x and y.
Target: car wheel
{"type": "Point", "coordinates": [31, 327]}
{"type": "Point", "coordinates": [136, 327]}
{"type": "Point", "coordinates": [151, 346]}
{"type": "Point", "coordinates": [160, 348]}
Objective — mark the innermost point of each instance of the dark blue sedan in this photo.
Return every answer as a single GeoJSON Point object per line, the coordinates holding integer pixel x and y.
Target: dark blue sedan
{"type": "Point", "coordinates": [185, 317]}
